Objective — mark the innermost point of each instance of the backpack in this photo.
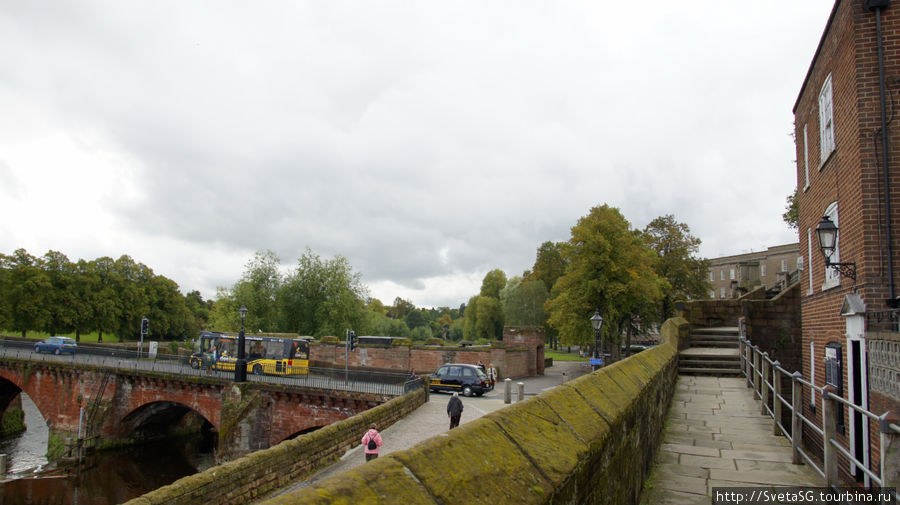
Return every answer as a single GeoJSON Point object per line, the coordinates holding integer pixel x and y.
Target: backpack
{"type": "Point", "coordinates": [371, 445]}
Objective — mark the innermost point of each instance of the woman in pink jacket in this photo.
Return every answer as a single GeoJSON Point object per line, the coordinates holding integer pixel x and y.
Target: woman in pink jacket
{"type": "Point", "coordinates": [372, 441]}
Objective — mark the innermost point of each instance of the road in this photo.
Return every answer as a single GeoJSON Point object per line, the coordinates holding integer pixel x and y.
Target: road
{"type": "Point", "coordinates": [431, 419]}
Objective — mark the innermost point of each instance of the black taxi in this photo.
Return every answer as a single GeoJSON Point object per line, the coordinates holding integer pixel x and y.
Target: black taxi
{"type": "Point", "coordinates": [462, 378]}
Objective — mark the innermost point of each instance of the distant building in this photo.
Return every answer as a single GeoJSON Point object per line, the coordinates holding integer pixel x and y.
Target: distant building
{"type": "Point", "coordinates": [773, 268]}
{"type": "Point", "coordinates": [847, 170]}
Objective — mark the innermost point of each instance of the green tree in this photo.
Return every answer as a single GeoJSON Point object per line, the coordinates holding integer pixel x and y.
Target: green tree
{"type": "Point", "coordinates": [401, 308]}
{"type": "Point", "coordinates": [257, 290]}
{"type": "Point", "coordinates": [608, 268]}
{"type": "Point", "coordinates": [523, 305]}
{"type": "Point", "coordinates": [489, 318]}
{"type": "Point", "coordinates": [791, 214]}
{"type": "Point", "coordinates": [415, 319]}
{"type": "Point", "coordinates": [25, 293]}
{"type": "Point", "coordinates": [471, 319]}
{"type": "Point", "coordinates": [492, 283]}
{"type": "Point", "coordinates": [322, 297]}
{"type": "Point", "coordinates": [549, 265]}
{"type": "Point", "coordinates": [685, 273]}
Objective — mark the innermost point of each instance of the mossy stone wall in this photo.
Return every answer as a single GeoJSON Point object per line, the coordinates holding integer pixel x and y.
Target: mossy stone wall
{"type": "Point", "coordinates": [591, 440]}
{"type": "Point", "coordinates": [246, 479]}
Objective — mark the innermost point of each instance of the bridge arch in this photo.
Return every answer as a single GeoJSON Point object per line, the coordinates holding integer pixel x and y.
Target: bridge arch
{"type": "Point", "coordinates": [162, 418]}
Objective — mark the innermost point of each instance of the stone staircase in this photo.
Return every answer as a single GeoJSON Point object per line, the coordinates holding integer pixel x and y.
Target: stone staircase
{"type": "Point", "coordinates": [713, 351]}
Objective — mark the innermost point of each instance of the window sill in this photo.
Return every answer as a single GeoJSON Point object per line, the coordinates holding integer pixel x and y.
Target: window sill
{"type": "Point", "coordinates": [833, 283]}
{"type": "Point", "coordinates": [827, 159]}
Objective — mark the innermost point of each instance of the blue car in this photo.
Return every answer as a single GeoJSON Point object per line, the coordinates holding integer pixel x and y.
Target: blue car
{"type": "Point", "coordinates": [56, 345]}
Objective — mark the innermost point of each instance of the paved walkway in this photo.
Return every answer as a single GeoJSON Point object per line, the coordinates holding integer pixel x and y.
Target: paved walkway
{"type": "Point", "coordinates": [716, 437]}
{"type": "Point", "coordinates": [431, 419]}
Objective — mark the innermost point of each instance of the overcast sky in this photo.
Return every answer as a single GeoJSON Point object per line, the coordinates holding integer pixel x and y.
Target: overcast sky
{"type": "Point", "coordinates": [428, 142]}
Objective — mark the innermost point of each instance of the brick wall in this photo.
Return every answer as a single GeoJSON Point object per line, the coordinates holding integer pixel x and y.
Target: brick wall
{"type": "Point", "coordinates": [520, 354]}
{"type": "Point", "coordinates": [851, 176]}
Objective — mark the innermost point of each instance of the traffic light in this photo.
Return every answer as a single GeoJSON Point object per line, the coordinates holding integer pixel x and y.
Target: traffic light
{"type": "Point", "coordinates": [353, 340]}
{"type": "Point", "coordinates": [145, 326]}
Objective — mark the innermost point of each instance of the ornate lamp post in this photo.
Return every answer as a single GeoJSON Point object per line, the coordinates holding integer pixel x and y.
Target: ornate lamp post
{"type": "Point", "coordinates": [596, 323]}
{"type": "Point", "coordinates": [240, 366]}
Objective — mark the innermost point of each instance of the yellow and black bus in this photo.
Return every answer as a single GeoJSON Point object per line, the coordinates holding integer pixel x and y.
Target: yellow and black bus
{"type": "Point", "coordinates": [264, 354]}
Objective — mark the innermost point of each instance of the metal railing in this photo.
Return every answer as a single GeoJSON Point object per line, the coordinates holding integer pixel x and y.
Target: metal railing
{"type": "Point", "coordinates": [357, 381]}
{"type": "Point", "coordinates": [759, 370]}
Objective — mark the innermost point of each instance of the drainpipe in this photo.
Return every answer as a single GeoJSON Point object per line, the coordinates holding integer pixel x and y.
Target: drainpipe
{"type": "Point", "coordinates": [878, 6]}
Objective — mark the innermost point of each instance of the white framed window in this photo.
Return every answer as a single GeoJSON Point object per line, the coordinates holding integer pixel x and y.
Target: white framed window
{"type": "Point", "coordinates": [762, 269]}
{"type": "Point", "coordinates": [799, 262]}
{"type": "Point", "coordinates": [731, 274]}
{"type": "Point", "coordinates": [721, 292]}
{"type": "Point", "coordinates": [712, 277]}
{"type": "Point", "coordinates": [826, 121]}
{"type": "Point", "coordinates": [809, 275]}
{"type": "Point", "coordinates": [722, 274]}
{"type": "Point", "coordinates": [712, 293]}
{"type": "Point", "coordinates": [832, 277]}
{"type": "Point", "coordinates": [784, 266]}
{"type": "Point", "coordinates": [805, 156]}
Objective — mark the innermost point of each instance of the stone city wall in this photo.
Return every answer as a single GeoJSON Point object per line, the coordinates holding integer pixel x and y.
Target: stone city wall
{"type": "Point", "coordinates": [591, 440]}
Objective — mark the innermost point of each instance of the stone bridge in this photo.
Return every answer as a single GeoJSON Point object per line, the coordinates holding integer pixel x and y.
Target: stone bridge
{"type": "Point", "coordinates": [133, 404]}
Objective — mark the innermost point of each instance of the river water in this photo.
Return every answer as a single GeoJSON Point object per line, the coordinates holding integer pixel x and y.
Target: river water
{"type": "Point", "coordinates": [107, 478]}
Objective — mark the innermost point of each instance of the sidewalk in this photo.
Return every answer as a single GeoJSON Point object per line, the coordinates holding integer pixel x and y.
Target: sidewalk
{"type": "Point", "coordinates": [716, 437]}
{"type": "Point", "coordinates": [431, 420]}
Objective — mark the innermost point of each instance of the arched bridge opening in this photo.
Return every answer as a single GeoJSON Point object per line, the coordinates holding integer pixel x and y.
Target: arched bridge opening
{"type": "Point", "coordinates": [165, 420]}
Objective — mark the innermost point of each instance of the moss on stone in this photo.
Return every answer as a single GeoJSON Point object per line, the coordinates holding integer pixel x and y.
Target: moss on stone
{"type": "Point", "coordinates": [475, 463]}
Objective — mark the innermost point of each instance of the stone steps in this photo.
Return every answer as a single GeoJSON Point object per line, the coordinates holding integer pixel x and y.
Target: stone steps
{"type": "Point", "coordinates": [713, 352]}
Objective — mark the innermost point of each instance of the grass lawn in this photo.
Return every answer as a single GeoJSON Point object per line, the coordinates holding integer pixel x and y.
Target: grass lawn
{"type": "Point", "coordinates": [563, 356]}
{"type": "Point", "coordinates": [85, 337]}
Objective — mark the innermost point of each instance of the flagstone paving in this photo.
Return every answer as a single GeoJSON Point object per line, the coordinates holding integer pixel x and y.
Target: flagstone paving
{"type": "Point", "coordinates": [716, 437]}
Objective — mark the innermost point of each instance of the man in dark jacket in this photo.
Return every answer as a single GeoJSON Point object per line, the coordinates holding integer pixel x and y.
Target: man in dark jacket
{"type": "Point", "coordinates": [454, 410]}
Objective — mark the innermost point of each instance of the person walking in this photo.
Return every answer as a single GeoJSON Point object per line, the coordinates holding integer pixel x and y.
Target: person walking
{"type": "Point", "coordinates": [372, 441]}
{"type": "Point", "coordinates": [454, 410]}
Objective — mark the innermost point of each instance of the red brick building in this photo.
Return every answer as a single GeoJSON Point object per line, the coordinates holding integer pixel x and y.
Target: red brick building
{"type": "Point", "coordinates": [848, 168]}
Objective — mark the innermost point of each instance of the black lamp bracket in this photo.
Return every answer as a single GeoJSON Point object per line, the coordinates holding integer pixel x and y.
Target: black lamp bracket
{"type": "Point", "coordinates": [844, 269]}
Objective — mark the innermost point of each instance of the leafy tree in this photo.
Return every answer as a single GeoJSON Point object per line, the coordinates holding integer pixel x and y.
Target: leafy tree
{"type": "Point", "coordinates": [257, 290]}
{"type": "Point", "coordinates": [791, 214]}
{"type": "Point", "coordinates": [678, 263]}
{"type": "Point", "coordinates": [414, 319]}
{"type": "Point", "coordinates": [25, 293]}
{"type": "Point", "coordinates": [489, 322]}
{"type": "Point", "coordinates": [523, 305]}
{"type": "Point", "coordinates": [549, 265]}
{"type": "Point", "coordinates": [492, 283]}
{"type": "Point", "coordinates": [322, 297]}
{"type": "Point", "coordinates": [471, 318]}
{"type": "Point", "coordinates": [61, 299]}
{"type": "Point", "coordinates": [401, 308]}
{"type": "Point", "coordinates": [608, 268]}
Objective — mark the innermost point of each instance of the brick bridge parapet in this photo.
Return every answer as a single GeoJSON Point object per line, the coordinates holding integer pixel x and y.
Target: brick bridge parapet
{"type": "Point", "coordinates": [247, 416]}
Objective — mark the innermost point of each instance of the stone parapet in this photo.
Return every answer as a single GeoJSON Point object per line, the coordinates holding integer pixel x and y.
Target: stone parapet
{"type": "Point", "coordinates": [254, 475]}
{"type": "Point", "coordinates": [591, 440]}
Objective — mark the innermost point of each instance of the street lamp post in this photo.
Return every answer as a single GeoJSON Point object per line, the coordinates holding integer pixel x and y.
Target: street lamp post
{"type": "Point", "coordinates": [240, 366]}
{"type": "Point", "coordinates": [596, 323]}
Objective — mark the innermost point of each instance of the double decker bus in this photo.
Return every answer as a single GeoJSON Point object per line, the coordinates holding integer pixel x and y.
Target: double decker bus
{"type": "Point", "coordinates": [264, 354]}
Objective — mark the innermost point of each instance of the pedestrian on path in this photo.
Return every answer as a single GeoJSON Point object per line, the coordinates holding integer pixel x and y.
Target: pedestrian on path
{"type": "Point", "coordinates": [454, 410]}
{"type": "Point", "coordinates": [372, 441]}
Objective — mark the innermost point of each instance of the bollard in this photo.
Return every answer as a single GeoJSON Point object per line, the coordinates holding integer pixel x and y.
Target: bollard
{"type": "Point", "coordinates": [776, 401]}
{"type": "Point", "coordinates": [507, 390]}
{"type": "Point", "coordinates": [829, 426]}
{"type": "Point", "coordinates": [796, 422]}
{"type": "Point", "coordinates": [520, 391]}
{"type": "Point", "coordinates": [565, 377]}
{"type": "Point", "coordinates": [764, 392]}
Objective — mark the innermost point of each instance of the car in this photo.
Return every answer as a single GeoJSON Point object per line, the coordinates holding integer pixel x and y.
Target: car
{"type": "Point", "coordinates": [56, 345]}
{"type": "Point", "coordinates": [462, 378]}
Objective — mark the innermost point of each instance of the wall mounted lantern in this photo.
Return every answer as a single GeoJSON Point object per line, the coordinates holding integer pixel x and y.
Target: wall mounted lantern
{"type": "Point", "coordinates": [827, 233]}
